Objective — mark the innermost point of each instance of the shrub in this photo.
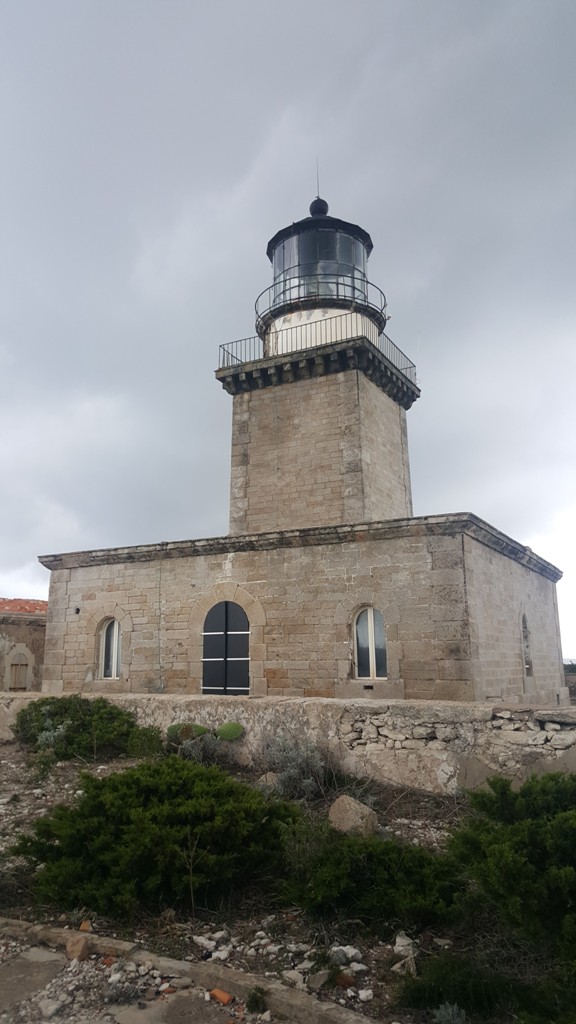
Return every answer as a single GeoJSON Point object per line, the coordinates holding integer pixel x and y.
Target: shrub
{"type": "Point", "coordinates": [145, 741]}
{"type": "Point", "coordinates": [75, 727]}
{"type": "Point", "coordinates": [450, 979]}
{"type": "Point", "coordinates": [380, 881]}
{"type": "Point", "coordinates": [156, 835]}
{"type": "Point", "coordinates": [204, 746]}
{"type": "Point", "coordinates": [256, 1000]}
{"type": "Point", "coordinates": [302, 769]}
{"type": "Point", "coordinates": [519, 849]}
{"type": "Point", "coordinates": [449, 1013]}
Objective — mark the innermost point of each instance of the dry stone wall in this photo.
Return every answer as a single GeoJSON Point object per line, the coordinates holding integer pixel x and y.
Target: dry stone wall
{"type": "Point", "coordinates": [438, 746]}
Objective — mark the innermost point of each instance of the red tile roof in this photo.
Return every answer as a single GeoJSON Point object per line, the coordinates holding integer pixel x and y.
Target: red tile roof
{"type": "Point", "coordinates": [22, 606]}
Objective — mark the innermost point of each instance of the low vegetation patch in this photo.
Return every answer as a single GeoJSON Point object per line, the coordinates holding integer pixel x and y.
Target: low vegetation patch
{"type": "Point", "coordinates": [205, 746]}
{"type": "Point", "coordinates": [67, 727]}
{"type": "Point", "coordinates": [382, 882]}
{"type": "Point", "coordinates": [519, 849]}
{"type": "Point", "coordinates": [180, 833]}
{"type": "Point", "coordinates": [163, 834]}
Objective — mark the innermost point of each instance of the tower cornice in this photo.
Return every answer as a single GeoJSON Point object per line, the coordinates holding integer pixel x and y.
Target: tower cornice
{"type": "Point", "coordinates": [351, 354]}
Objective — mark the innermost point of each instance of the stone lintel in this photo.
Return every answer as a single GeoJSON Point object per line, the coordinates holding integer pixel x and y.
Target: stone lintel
{"type": "Point", "coordinates": [451, 525]}
{"type": "Point", "coordinates": [352, 354]}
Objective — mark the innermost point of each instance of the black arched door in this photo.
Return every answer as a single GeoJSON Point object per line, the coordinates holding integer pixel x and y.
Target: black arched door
{"type": "Point", "coordinates": [225, 650]}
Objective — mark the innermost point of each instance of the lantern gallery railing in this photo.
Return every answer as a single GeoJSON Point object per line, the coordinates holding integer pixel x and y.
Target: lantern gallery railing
{"type": "Point", "coordinates": [316, 334]}
{"type": "Point", "coordinates": [305, 291]}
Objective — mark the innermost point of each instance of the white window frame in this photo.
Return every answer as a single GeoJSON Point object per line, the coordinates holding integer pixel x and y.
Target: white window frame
{"type": "Point", "coordinates": [116, 649]}
{"type": "Point", "coordinates": [371, 643]}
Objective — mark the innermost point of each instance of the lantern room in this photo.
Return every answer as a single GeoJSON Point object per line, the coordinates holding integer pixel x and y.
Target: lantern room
{"type": "Point", "coordinates": [319, 273]}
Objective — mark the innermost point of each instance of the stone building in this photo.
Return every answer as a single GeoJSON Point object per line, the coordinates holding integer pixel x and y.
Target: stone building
{"type": "Point", "coordinates": [22, 630]}
{"type": "Point", "coordinates": [326, 585]}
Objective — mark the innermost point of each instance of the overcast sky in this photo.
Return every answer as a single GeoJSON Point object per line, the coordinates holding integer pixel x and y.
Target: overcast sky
{"type": "Point", "coordinates": [149, 150]}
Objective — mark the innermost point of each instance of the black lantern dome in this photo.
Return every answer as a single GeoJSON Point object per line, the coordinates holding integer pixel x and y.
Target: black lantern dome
{"type": "Point", "coordinates": [319, 263]}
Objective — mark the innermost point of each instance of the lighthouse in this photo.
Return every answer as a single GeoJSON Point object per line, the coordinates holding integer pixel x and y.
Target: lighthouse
{"type": "Point", "coordinates": [320, 393]}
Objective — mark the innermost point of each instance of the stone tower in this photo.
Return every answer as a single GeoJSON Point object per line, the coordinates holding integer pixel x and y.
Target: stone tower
{"type": "Point", "coordinates": [320, 393]}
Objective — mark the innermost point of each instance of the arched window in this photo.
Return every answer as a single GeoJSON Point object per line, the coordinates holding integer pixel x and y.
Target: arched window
{"type": "Point", "coordinates": [370, 645]}
{"type": "Point", "coordinates": [225, 654]}
{"type": "Point", "coordinates": [526, 656]}
{"type": "Point", "coordinates": [110, 649]}
{"type": "Point", "coordinates": [18, 672]}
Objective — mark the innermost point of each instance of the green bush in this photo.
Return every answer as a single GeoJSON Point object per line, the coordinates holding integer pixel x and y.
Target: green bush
{"type": "Point", "coordinates": [76, 727]}
{"type": "Point", "coordinates": [157, 835]}
{"type": "Point", "coordinates": [145, 741]}
{"type": "Point", "coordinates": [483, 992]}
{"type": "Point", "coordinates": [451, 979]}
{"type": "Point", "coordinates": [381, 881]}
{"type": "Point", "coordinates": [519, 851]}
{"type": "Point", "coordinates": [204, 746]}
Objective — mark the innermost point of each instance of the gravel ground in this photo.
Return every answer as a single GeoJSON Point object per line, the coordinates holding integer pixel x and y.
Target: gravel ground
{"type": "Point", "coordinates": [282, 945]}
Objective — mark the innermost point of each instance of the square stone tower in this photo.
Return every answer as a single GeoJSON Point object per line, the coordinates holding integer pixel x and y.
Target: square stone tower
{"type": "Point", "coordinates": [320, 394]}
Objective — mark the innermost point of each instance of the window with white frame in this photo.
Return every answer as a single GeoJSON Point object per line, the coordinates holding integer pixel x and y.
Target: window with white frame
{"type": "Point", "coordinates": [110, 649]}
{"type": "Point", "coordinates": [370, 645]}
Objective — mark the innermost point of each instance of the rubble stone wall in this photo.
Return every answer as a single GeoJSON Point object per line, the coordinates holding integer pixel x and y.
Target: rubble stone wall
{"type": "Point", "coordinates": [437, 746]}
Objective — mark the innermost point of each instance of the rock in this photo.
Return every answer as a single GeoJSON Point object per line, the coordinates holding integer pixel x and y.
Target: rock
{"type": "Point", "coordinates": [338, 956]}
{"type": "Point", "coordinates": [48, 1008]}
{"type": "Point", "coordinates": [552, 726]}
{"type": "Point", "coordinates": [85, 926]}
{"type": "Point", "coordinates": [77, 947]}
{"type": "Point", "coordinates": [365, 995]}
{"type": "Point", "coordinates": [443, 943]}
{"type": "Point", "coordinates": [266, 1016]}
{"type": "Point", "coordinates": [317, 980]}
{"type": "Point", "coordinates": [350, 816]}
{"type": "Point", "coordinates": [403, 943]}
{"type": "Point", "coordinates": [423, 732]}
{"type": "Point", "coordinates": [563, 740]}
{"type": "Point", "coordinates": [294, 977]}
{"type": "Point", "coordinates": [204, 943]}
{"type": "Point", "coordinates": [304, 966]}
{"type": "Point", "coordinates": [446, 732]}
{"type": "Point", "coordinates": [405, 966]}
{"type": "Point", "coordinates": [358, 968]}
{"type": "Point", "coordinates": [352, 953]}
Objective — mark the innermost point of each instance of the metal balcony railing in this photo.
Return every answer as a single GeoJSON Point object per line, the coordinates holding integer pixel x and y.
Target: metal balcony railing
{"type": "Point", "coordinates": [316, 334]}
{"type": "Point", "coordinates": [305, 292]}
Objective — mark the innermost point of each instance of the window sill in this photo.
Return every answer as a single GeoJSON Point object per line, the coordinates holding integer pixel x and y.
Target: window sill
{"type": "Point", "coordinates": [371, 689]}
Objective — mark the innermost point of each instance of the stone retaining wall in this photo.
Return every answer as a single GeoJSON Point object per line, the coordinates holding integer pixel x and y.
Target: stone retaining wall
{"type": "Point", "coordinates": [436, 746]}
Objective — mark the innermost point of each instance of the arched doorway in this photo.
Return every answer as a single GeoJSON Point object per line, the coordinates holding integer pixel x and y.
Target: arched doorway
{"type": "Point", "coordinates": [225, 650]}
